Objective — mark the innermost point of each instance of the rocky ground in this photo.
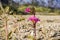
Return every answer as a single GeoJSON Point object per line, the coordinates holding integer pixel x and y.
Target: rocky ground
{"type": "Point", "coordinates": [20, 28]}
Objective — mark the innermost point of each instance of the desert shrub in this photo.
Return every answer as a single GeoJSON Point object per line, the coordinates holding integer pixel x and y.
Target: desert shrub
{"type": "Point", "coordinates": [1, 12]}
{"type": "Point", "coordinates": [57, 11]}
{"type": "Point", "coordinates": [22, 8]}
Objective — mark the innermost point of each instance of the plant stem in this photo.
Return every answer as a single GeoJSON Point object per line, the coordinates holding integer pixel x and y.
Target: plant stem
{"type": "Point", "coordinates": [6, 29]}
{"type": "Point", "coordinates": [34, 31]}
{"type": "Point", "coordinates": [33, 10]}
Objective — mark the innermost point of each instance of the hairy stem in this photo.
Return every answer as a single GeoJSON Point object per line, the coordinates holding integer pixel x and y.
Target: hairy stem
{"type": "Point", "coordinates": [34, 31]}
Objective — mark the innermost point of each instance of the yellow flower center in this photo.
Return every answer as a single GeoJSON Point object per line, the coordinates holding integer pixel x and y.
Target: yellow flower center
{"type": "Point", "coordinates": [33, 21]}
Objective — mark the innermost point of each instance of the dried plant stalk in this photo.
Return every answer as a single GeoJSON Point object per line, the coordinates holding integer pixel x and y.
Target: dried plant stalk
{"type": "Point", "coordinates": [6, 30]}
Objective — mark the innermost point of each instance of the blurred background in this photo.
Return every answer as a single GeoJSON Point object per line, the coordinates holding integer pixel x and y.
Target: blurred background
{"type": "Point", "coordinates": [43, 7]}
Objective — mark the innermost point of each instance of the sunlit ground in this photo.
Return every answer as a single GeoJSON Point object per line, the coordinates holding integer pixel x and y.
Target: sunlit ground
{"type": "Point", "coordinates": [19, 27]}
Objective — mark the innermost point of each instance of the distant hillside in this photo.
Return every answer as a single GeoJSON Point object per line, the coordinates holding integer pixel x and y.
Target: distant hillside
{"type": "Point", "coordinates": [47, 3]}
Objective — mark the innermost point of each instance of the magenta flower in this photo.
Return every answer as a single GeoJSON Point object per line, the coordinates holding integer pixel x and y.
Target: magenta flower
{"type": "Point", "coordinates": [34, 19]}
{"type": "Point", "coordinates": [27, 10]}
